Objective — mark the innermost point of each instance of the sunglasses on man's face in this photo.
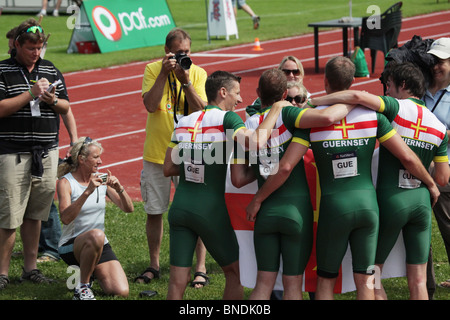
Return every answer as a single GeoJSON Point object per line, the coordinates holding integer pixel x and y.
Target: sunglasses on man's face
{"type": "Point", "coordinates": [298, 99]}
{"type": "Point", "coordinates": [295, 72]}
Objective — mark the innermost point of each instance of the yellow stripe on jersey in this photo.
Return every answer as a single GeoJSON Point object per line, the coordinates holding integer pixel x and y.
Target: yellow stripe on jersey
{"type": "Point", "coordinates": [301, 141]}
{"type": "Point", "coordinates": [235, 132]}
{"type": "Point", "coordinates": [297, 121]}
{"type": "Point", "coordinates": [440, 159]}
{"type": "Point", "coordinates": [382, 107]}
{"type": "Point", "coordinates": [387, 136]}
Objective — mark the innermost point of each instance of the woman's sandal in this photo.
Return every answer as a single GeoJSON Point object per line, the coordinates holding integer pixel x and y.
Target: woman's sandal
{"type": "Point", "coordinates": [202, 283]}
{"type": "Point", "coordinates": [4, 281]}
{"type": "Point", "coordinates": [146, 279]}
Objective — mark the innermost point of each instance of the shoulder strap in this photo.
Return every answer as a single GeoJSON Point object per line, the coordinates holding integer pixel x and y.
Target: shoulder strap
{"type": "Point", "coordinates": [439, 100]}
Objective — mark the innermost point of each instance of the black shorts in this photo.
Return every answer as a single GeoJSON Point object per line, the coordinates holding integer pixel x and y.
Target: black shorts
{"type": "Point", "coordinates": [66, 253]}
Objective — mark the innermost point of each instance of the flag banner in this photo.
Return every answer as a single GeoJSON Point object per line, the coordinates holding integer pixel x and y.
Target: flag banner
{"type": "Point", "coordinates": [237, 200]}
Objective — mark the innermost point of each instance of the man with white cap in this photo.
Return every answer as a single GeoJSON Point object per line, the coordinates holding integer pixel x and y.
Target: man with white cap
{"type": "Point", "coordinates": [437, 99]}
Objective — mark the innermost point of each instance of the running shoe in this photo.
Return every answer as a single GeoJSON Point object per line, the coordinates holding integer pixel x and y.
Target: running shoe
{"type": "Point", "coordinates": [83, 293]}
{"type": "Point", "coordinates": [256, 22]}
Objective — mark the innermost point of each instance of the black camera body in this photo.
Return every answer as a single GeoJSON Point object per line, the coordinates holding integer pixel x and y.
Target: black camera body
{"type": "Point", "coordinates": [183, 60]}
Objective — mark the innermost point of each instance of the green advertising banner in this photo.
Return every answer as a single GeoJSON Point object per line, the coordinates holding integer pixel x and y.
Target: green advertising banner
{"type": "Point", "coordinates": [120, 25]}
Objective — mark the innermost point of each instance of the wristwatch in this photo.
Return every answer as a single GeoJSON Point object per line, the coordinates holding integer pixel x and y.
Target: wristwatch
{"type": "Point", "coordinates": [55, 102]}
{"type": "Point", "coordinates": [187, 84]}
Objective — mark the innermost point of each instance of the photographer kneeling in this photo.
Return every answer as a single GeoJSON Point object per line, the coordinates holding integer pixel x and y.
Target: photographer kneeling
{"type": "Point", "coordinates": [82, 195]}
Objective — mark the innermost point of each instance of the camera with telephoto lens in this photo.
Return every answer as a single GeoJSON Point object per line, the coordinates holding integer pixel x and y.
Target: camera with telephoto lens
{"type": "Point", "coordinates": [183, 60]}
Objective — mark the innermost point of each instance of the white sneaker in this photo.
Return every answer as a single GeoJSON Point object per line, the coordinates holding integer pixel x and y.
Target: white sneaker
{"type": "Point", "coordinates": [42, 13]}
{"type": "Point", "coordinates": [55, 13]}
{"type": "Point", "coordinates": [83, 293]}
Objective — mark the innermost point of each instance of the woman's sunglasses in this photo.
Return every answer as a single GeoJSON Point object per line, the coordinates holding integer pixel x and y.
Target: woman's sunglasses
{"type": "Point", "coordinates": [295, 72]}
{"type": "Point", "coordinates": [87, 140]}
{"type": "Point", "coordinates": [298, 99]}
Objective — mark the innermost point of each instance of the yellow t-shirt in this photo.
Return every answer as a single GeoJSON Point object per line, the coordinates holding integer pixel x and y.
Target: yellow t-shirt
{"type": "Point", "coordinates": [160, 124]}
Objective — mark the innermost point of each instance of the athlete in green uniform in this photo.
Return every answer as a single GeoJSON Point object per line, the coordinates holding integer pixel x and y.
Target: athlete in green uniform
{"type": "Point", "coordinates": [398, 191]}
{"type": "Point", "coordinates": [283, 227]}
{"type": "Point", "coordinates": [199, 153]}
{"type": "Point", "coordinates": [348, 207]}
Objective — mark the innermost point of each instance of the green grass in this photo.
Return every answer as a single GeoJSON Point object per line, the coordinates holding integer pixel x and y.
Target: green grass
{"type": "Point", "coordinates": [126, 233]}
{"type": "Point", "coordinates": [281, 18]}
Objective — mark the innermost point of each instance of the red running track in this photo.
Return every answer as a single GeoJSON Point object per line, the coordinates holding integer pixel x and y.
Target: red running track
{"type": "Point", "coordinates": [108, 107]}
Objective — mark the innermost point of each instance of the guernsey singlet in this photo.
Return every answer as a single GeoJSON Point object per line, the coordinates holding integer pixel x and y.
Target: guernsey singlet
{"type": "Point", "coordinates": [204, 142]}
{"type": "Point", "coordinates": [284, 223]}
{"type": "Point", "coordinates": [348, 211]}
{"type": "Point", "coordinates": [403, 200]}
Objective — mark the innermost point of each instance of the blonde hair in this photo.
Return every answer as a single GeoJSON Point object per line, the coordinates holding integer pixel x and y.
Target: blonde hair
{"type": "Point", "coordinates": [80, 148]}
{"type": "Point", "coordinates": [302, 92]}
{"type": "Point", "coordinates": [297, 62]}
{"type": "Point", "coordinates": [301, 88]}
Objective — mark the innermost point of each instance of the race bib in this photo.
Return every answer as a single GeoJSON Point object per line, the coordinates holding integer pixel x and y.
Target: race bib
{"type": "Point", "coordinates": [345, 164]}
{"type": "Point", "coordinates": [266, 169]}
{"type": "Point", "coordinates": [194, 172]}
{"type": "Point", "coordinates": [407, 181]}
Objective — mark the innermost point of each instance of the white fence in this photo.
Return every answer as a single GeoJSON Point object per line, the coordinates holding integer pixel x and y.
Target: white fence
{"type": "Point", "coordinates": [32, 6]}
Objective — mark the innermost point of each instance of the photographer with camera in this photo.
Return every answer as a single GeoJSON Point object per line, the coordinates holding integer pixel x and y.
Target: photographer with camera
{"type": "Point", "coordinates": [171, 88]}
{"type": "Point", "coordinates": [82, 193]}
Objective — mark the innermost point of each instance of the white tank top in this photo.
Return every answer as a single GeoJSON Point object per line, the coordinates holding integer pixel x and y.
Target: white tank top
{"type": "Point", "coordinates": [92, 214]}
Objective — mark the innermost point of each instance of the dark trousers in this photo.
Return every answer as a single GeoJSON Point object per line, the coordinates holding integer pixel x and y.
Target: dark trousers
{"type": "Point", "coordinates": [50, 233]}
{"type": "Point", "coordinates": [442, 214]}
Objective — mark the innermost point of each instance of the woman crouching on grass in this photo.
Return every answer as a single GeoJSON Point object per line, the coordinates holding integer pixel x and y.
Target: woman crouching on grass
{"type": "Point", "coordinates": [82, 197]}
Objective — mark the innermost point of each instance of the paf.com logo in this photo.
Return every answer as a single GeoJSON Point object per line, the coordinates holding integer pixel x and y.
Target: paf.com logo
{"type": "Point", "coordinates": [107, 23]}
{"type": "Point", "coordinates": [113, 28]}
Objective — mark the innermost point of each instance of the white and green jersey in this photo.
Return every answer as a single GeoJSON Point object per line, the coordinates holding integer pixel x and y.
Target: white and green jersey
{"type": "Point", "coordinates": [285, 131]}
{"type": "Point", "coordinates": [205, 143]}
{"type": "Point", "coordinates": [343, 151]}
{"type": "Point", "coordinates": [421, 131]}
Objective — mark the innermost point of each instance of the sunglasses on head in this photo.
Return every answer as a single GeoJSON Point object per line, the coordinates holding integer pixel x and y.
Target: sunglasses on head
{"type": "Point", "coordinates": [298, 99]}
{"type": "Point", "coordinates": [87, 140]}
{"type": "Point", "coordinates": [295, 72]}
{"type": "Point", "coordinates": [32, 29]}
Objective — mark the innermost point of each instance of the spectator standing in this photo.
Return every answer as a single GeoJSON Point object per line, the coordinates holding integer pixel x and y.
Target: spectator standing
{"type": "Point", "coordinates": [437, 99]}
{"type": "Point", "coordinates": [169, 92]}
{"type": "Point", "coordinates": [33, 146]}
{"type": "Point", "coordinates": [296, 94]}
{"type": "Point", "coordinates": [293, 69]}
{"type": "Point", "coordinates": [50, 229]}
{"type": "Point", "coordinates": [55, 13]}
